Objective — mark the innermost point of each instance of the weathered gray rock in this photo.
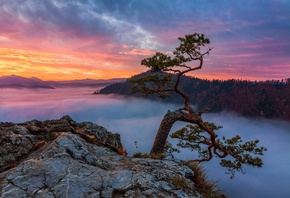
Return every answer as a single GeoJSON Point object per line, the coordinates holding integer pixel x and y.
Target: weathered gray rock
{"type": "Point", "coordinates": [72, 166]}
{"type": "Point", "coordinates": [19, 140]}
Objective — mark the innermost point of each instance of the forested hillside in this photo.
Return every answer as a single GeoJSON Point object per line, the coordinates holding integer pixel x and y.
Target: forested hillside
{"type": "Point", "coordinates": [270, 99]}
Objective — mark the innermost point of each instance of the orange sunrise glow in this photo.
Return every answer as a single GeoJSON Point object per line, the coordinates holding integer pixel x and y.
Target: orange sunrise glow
{"type": "Point", "coordinates": [77, 40]}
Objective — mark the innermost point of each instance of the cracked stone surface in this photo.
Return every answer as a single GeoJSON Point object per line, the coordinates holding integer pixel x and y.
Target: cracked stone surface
{"type": "Point", "coordinates": [72, 165]}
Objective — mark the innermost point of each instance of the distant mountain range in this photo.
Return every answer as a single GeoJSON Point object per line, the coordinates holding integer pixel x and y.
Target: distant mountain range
{"type": "Point", "coordinates": [14, 81]}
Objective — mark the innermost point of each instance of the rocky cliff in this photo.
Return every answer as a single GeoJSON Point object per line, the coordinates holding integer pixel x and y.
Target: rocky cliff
{"type": "Point", "coordinates": [63, 158]}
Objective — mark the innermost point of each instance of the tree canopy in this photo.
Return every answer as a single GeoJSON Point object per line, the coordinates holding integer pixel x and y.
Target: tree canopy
{"type": "Point", "coordinates": [164, 77]}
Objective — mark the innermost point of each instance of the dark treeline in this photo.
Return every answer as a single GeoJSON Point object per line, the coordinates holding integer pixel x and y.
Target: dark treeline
{"type": "Point", "coordinates": [270, 99]}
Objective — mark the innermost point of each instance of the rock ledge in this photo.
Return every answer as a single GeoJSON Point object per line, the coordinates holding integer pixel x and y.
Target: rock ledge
{"type": "Point", "coordinates": [62, 158]}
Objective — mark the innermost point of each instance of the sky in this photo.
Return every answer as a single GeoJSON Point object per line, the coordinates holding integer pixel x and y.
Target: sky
{"type": "Point", "coordinates": [103, 39]}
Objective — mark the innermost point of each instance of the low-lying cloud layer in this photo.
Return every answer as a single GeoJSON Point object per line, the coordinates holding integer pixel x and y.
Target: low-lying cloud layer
{"type": "Point", "coordinates": [138, 120]}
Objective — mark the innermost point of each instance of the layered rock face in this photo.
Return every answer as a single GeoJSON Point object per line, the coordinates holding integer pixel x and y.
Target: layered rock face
{"type": "Point", "coordinates": [62, 158]}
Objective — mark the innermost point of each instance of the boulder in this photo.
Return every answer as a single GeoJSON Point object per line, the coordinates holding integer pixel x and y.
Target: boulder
{"type": "Point", "coordinates": [62, 158]}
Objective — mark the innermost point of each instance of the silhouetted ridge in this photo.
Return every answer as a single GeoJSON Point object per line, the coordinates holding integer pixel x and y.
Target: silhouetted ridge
{"type": "Point", "coordinates": [270, 99]}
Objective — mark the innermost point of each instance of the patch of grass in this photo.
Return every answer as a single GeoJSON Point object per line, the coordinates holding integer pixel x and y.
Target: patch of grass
{"type": "Point", "coordinates": [202, 185]}
{"type": "Point", "coordinates": [147, 155]}
{"type": "Point", "coordinates": [181, 183]}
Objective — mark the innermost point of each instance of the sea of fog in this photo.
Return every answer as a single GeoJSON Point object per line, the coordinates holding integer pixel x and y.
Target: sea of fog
{"type": "Point", "coordinates": [138, 120]}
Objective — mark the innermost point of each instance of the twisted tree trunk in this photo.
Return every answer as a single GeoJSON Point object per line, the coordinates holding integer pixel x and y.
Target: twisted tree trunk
{"type": "Point", "coordinates": [167, 122]}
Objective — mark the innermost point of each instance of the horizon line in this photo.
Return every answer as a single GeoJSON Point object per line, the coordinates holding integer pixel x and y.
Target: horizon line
{"type": "Point", "coordinates": [211, 79]}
